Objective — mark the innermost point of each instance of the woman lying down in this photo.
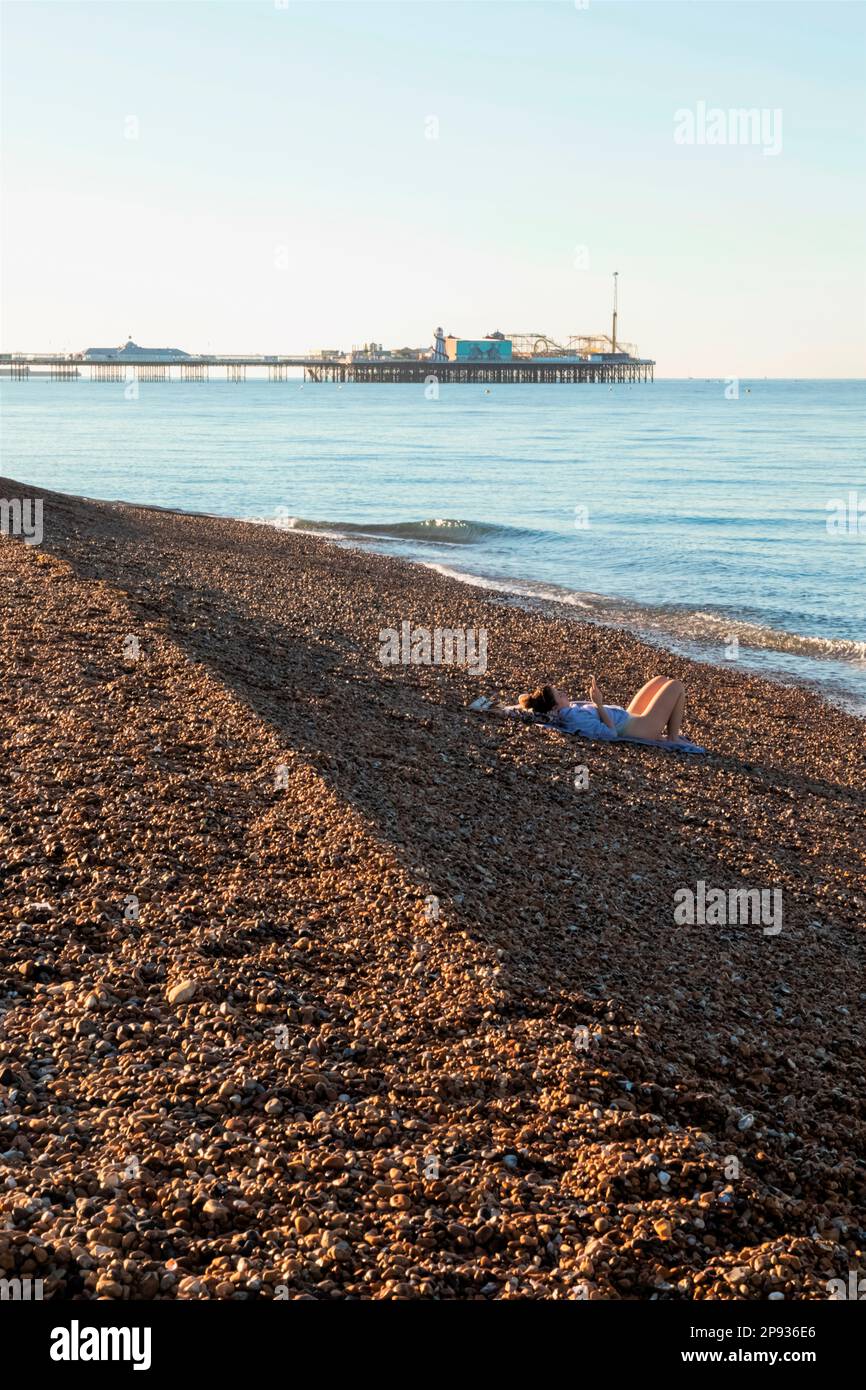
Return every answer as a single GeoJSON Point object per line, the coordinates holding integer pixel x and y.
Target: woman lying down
{"type": "Point", "coordinates": [656, 712]}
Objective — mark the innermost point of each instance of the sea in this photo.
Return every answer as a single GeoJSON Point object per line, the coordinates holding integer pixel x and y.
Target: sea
{"type": "Point", "coordinates": [722, 519]}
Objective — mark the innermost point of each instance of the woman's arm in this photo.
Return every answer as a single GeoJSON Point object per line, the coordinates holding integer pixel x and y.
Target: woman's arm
{"type": "Point", "coordinates": [598, 700]}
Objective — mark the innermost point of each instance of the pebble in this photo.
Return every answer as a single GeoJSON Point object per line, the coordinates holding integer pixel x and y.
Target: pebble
{"type": "Point", "coordinates": [182, 992]}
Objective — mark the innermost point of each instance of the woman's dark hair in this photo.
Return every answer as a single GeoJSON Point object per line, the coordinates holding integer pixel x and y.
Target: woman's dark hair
{"type": "Point", "coordinates": [541, 701]}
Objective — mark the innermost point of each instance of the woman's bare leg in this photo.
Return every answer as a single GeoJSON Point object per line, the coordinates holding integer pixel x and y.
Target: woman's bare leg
{"type": "Point", "coordinates": [641, 700]}
{"type": "Point", "coordinates": [677, 713]}
{"type": "Point", "coordinates": [663, 715]}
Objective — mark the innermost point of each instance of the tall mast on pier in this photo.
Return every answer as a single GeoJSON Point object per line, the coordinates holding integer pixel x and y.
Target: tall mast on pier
{"type": "Point", "coordinates": [613, 335]}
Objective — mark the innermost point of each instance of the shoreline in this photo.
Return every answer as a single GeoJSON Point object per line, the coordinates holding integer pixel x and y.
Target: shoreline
{"type": "Point", "coordinates": [401, 1008]}
{"type": "Point", "coordinates": [692, 649]}
{"type": "Point", "coordinates": [497, 589]}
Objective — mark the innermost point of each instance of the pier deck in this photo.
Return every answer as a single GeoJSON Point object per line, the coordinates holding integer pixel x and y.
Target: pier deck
{"type": "Point", "coordinates": [317, 369]}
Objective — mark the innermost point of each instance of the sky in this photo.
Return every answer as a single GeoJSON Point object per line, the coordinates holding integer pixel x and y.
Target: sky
{"type": "Point", "coordinates": [286, 175]}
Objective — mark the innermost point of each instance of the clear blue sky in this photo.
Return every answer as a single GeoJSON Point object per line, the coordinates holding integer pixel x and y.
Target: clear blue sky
{"type": "Point", "coordinates": [282, 193]}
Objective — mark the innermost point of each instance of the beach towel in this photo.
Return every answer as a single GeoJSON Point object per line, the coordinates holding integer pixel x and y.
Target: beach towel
{"type": "Point", "coordinates": [684, 746]}
{"type": "Point", "coordinates": [526, 716]}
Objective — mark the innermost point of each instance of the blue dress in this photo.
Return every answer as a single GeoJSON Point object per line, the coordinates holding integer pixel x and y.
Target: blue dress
{"type": "Point", "coordinates": [584, 719]}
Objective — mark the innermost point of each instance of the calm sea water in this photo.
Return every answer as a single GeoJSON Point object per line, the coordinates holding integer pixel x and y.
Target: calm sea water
{"type": "Point", "coordinates": [694, 519]}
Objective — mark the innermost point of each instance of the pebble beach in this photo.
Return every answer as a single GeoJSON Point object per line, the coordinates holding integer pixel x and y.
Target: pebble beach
{"type": "Point", "coordinates": [317, 984]}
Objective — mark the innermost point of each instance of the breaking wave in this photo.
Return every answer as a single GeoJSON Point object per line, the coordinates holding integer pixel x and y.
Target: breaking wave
{"type": "Point", "coordinates": [672, 621]}
{"type": "Point", "coordinates": [436, 530]}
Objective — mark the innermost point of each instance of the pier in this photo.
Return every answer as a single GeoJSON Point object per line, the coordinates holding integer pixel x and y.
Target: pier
{"type": "Point", "coordinates": [515, 370]}
{"type": "Point", "coordinates": [383, 370]}
{"type": "Point", "coordinates": [499, 359]}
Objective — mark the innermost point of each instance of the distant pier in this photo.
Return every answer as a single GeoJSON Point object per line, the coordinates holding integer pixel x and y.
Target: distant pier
{"type": "Point", "coordinates": [387, 370]}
